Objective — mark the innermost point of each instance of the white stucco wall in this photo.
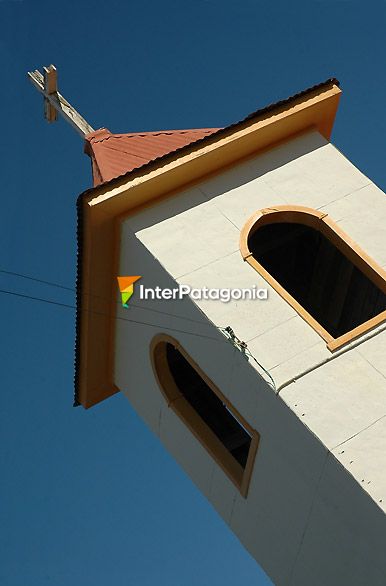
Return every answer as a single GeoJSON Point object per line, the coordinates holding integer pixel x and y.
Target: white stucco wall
{"type": "Point", "coordinates": [303, 507]}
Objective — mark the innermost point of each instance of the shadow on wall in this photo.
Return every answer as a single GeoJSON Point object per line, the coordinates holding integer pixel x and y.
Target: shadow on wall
{"type": "Point", "coordinates": [208, 189]}
{"type": "Point", "coordinates": [306, 520]}
{"type": "Point", "coordinates": [348, 528]}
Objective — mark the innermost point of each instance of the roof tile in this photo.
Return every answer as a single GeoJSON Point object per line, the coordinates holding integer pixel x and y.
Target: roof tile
{"type": "Point", "coordinates": [113, 155]}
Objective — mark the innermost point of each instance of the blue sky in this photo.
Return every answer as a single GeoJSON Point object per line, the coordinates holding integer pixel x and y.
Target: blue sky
{"type": "Point", "coordinates": [90, 498]}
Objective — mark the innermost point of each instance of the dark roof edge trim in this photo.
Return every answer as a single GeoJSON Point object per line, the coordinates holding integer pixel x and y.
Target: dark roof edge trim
{"type": "Point", "coordinates": [79, 237]}
{"type": "Point", "coordinates": [222, 131]}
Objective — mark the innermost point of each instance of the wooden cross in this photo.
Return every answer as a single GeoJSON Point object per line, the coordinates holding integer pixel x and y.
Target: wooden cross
{"type": "Point", "coordinates": [47, 84]}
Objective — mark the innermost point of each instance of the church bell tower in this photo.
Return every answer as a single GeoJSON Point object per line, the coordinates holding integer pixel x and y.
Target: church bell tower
{"type": "Point", "coordinates": [272, 401]}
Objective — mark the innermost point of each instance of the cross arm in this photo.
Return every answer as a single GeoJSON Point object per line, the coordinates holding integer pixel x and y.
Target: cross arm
{"type": "Point", "coordinates": [54, 102]}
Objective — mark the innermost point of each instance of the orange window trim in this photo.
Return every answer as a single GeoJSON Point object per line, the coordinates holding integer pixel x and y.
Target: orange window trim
{"type": "Point", "coordinates": [176, 401]}
{"type": "Point", "coordinates": [322, 222]}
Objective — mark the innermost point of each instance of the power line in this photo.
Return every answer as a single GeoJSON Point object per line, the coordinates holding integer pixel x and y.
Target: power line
{"type": "Point", "coordinates": [51, 302]}
{"type": "Point", "coordinates": [37, 280]}
{"type": "Point", "coordinates": [243, 348]}
{"type": "Point", "coordinates": [73, 290]}
{"type": "Point", "coordinates": [37, 298]}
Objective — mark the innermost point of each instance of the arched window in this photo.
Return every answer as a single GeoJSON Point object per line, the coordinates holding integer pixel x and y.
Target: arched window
{"type": "Point", "coordinates": [325, 276]}
{"type": "Point", "coordinates": [204, 409]}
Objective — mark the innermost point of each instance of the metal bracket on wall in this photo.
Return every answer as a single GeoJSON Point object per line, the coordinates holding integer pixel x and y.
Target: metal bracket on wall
{"type": "Point", "coordinates": [243, 348]}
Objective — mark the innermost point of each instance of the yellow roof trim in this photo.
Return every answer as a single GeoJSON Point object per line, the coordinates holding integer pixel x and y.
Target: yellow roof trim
{"type": "Point", "coordinates": [316, 111]}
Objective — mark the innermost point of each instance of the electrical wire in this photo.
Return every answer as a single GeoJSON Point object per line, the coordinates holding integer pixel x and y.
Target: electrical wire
{"type": "Point", "coordinates": [51, 302]}
{"type": "Point", "coordinates": [37, 280]}
{"type": "Point", "coordinates": [241, 348]}
{"type": "Point", "coordinates": [73, 290]}
{"type": "Point", "coordinates": [272, 384]}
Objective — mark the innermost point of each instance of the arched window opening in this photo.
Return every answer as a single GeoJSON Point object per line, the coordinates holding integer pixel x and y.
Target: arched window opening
{"type": "Point", "coordinates": [329, 280]}
{"type": "Point", "coordinates": [214, 412]}
{"type": "Point", "coordinates": [198, 402]}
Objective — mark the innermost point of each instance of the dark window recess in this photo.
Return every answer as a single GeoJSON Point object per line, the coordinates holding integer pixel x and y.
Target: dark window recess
{"type": "Point", "coordinates": [208, 406]}
{"type": "Point", "coordinates": [335, 292]}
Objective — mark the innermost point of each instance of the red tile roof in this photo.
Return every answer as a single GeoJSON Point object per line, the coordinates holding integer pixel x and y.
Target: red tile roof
{"type": "Point", "coordinates": [113, 155]}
